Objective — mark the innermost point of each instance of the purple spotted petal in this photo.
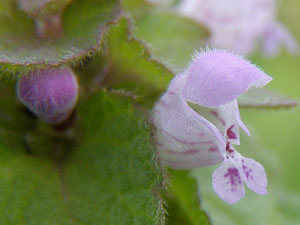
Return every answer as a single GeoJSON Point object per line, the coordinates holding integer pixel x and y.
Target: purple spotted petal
{"type": "Point", "coordinates": [254, 176]}
{"type": "Point", "coordinates": [184, 138]}
{"type": "Point", "coordinates": [218, 77]}
{"type": "Point", "coordinates": [227, 182]}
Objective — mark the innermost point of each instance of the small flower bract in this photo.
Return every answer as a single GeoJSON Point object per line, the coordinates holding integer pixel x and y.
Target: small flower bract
{"type": "Point", "coordinates": [197, 122]}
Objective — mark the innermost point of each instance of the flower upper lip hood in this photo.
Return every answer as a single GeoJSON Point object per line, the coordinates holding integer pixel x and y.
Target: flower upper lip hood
{"type": "Point", "coordinates": [211, 83]}
{"type": "Point", "coordinates": [197, 121]}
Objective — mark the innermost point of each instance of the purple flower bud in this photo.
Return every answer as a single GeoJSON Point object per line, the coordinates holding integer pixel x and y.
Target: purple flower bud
{"type": "Point", "coordinates": [197, 122]}
{"type": "Point", "coordinates": [49, 93]}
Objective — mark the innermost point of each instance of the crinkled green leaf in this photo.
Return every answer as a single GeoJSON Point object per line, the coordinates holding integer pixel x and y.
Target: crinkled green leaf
{"type": "Point", "coordinates": [183, 202]}
{"type": "Point", "coordinates": [264, 98]}
{"type": "Point", "coordinates": [15, 120]}
{"type": "Point", "coordinates": [109, 175]}
{"type": "Point", "coordinates": [85, 23]}
{"type": "Point", "coordinates": [133, 67]}
{"type": "Point", "coordinates": [30, 190]}
{"type": "Point", "coordinates": [113, 176]}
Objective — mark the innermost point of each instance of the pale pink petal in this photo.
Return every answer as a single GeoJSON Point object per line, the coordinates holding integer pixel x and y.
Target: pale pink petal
{"type": "Point", "coordinates": [234, 122]}
{"type": "Point", "coordinates": [271, 43]}
{"type": "Point", "coordinates": [184, 138]}
{"type": "Point", "coordinates": [240, 122]}
{"type": "Point", "coordinates": [254, 175]}
{"type": "Point", "coordinates": [229, 113]}
{"type": "Point", "coordinates": [213, 115]}
{"type": "Point", "coordinates": [275, 36]}
{"type": "Point", "coordinates": [218, 77]}
{"type": "Point", "coordinates": [227, 182]}
{"type": "Point", "coordinates": [226, 118]}
{"type": "Point", "coordinates": [234, 24]}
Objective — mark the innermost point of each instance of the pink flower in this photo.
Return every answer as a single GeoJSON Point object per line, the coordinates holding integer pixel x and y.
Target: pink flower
{"type": "Point", "coordinates": [197, 122]}
{"type": "Point", "coordinates": [238, 25]}
{"type": "Point", "coordinates": [49, 93]}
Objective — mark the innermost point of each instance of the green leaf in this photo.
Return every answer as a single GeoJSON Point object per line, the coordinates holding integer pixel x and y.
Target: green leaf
{"type": "Point", "coordinates": [173, 38]}
{"type": "Point", "coordinates": [133, 66]}
{"type": "Point", "coordinates": [120, 178]}
{"type": "Point", "coordinates": [85, 24]}
{"type": "Point", "coordinates": [264, 98]}
{"type": "Point", "coordinates": [135, 6]}
{"type": "Point", "coordinates": [108, 176]}
{"type": "Point", "coordinates": [30, 190]}
{"type": "Point", "coordinates": [182, 200]}
{"type": "Point", "coordinates": [130, 65]}
{"type": "Point", "coordinates": [15, 120]}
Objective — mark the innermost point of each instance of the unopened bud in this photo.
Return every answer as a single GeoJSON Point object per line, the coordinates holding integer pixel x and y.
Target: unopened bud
{"type": "Point", "coordinates": [49, 93]}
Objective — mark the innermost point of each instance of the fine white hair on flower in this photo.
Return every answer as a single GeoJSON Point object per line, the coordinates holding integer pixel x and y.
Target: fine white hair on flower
{"type": "Point", "coordinates": [240, 25]}
{"type": "Point", "coordinates": [197, 121]}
